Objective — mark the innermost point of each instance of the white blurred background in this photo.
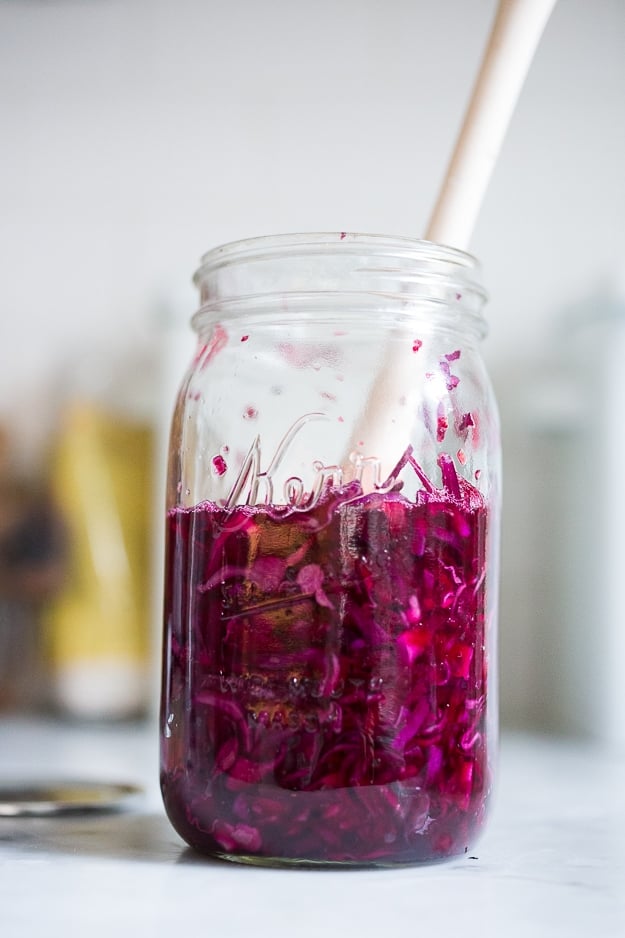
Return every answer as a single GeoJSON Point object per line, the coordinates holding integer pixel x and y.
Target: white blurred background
{"type": "Point", "coordinates": [137, 134]}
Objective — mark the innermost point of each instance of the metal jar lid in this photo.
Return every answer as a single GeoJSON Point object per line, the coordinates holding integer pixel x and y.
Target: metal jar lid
{"type": "Point", "coordinates": [46, 798]}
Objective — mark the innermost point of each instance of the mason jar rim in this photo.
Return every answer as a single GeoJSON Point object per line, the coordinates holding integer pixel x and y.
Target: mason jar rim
{"type": "Point", "coordinates": [333, 270]}
{"type": "Point", "coordinates": [263, 246]}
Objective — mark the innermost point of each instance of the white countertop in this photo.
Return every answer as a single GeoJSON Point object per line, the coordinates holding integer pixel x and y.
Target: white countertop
{"type": "Point", "coordinates": [552, 862]}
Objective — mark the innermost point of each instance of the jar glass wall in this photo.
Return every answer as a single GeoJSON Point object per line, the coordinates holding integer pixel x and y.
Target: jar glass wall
{"type": "Point", "coordinates": [329, 686]}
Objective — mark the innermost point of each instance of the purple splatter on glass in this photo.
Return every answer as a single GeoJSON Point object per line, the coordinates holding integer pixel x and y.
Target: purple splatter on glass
{"type": "Point", "coordinates": [465, 422]}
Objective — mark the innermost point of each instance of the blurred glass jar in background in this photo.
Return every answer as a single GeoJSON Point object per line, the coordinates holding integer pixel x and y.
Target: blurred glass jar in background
{"type": "Point", "coordinates": [102, 479]}
{"type": "Point", "coordinates": [574, 414]}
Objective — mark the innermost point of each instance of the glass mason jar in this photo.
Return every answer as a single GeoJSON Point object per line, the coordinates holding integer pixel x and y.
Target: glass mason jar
{"type": "Point", "coordinates": [332, 557]}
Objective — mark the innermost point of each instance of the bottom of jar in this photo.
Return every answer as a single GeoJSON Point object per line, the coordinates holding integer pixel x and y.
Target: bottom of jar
{"type": "Point", "coordinates": [317, 830]}
{"type": "Point", "coordinates": [304, 864]}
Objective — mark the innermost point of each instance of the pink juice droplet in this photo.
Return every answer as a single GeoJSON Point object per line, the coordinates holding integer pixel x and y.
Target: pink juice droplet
{"type": "Point", "coordinates": [218, 341]}
{"type": "Point", "coordinates": [416, 345]}
{"type": "Point", "coordinates": [219, 465]}
{"type": "Point", "coordinates": [250, 413]}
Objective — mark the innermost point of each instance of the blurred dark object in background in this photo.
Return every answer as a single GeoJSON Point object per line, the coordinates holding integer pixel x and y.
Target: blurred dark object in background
{"type": "Point", "coordinates": [32, 563]}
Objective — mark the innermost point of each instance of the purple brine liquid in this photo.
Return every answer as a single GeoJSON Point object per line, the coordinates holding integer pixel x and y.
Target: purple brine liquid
{"type": "Point", "coordinates": [325, 693]}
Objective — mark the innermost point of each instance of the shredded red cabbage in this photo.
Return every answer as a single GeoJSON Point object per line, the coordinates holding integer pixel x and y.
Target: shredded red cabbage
{"type": "Point", "coordinates": [326, 690]}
